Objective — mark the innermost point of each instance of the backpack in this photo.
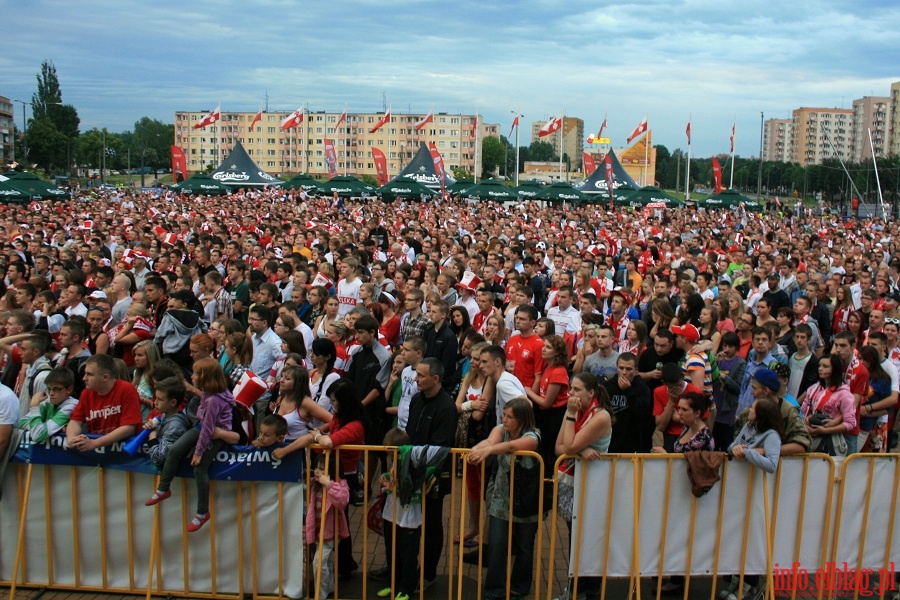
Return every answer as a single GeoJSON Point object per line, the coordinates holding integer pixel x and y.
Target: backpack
{"type": "Point", "coordinates": [45, 368]}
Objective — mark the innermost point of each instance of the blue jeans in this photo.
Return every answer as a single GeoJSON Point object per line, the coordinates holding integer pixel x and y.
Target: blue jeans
{"type": "Point", "coordinates": [523, 558]}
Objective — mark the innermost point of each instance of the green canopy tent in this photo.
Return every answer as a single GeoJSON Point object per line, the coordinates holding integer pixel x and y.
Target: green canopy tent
{"type": "Point", "coordinates": [730, 199]}
{"type": "Point", "coordinates": [346, 187]}
{"type": "Point", "coordinates": [301, 181]}
{"type": "Point", "coordinates": [459, 186]}
{"type": "Point", "coordinates": [490, 189]}
{"type": "Point", "coordinates": [201, 184]}
{"type": "Point", "coordinates": [9, 193]}
{"type": "Point", "coordinates": [405, 187]}
{"type": "Point", "coordinates": [620, 194]}
{"type": "Point", "coordinates": [650, 196]}
{"type": "Point", "coordinates": [33, 186]}
{"type": "Point", "coordinates": [560, 191]}
{"type": "Point", "coordinates": [528, 190]}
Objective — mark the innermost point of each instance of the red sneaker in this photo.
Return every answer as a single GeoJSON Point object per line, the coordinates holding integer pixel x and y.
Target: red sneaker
{"type": "Point", "coordinates": [197, 522]}
{"type": "Point", "coordinates": [157, 497]}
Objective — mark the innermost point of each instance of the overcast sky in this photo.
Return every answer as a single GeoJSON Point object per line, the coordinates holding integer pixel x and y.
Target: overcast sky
{"type": "Point", "coordinates": [664, 59]}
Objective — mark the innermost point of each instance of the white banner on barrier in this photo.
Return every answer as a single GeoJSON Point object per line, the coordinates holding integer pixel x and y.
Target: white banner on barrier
{"type": "Point", "coordinates": [128, 555]}
{"type": "Point", "coordinates": [799, 534]}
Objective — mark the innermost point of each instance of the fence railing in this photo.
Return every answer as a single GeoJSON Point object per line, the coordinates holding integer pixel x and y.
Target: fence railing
{"type": "Point", "coordinates": [805, 530]}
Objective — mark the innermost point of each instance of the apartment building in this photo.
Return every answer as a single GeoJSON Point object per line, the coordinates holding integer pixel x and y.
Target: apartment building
{"type": "Point", "coordinates": [818, 134]}
{"type": "Point", "coordinates": [777, 140]}
{"type": "Point", "coordinates": [302, 149]}
{"type": "Point", "coordinates": [870, 113]}
{"type": "Point", "coordinates": [568, 139]}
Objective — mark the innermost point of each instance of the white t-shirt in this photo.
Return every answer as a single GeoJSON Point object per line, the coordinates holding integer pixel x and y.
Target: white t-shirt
{"type": "Point", "coordinates": [567, 321]}
{"type": "Point", "coordinates": [9, 406]}
{"type": "Point", "coordinates": [507, 388]}
{"type": "Point", "coordinates": [348, 295]}
{"type": "Point", "coordinates": [409, 388]}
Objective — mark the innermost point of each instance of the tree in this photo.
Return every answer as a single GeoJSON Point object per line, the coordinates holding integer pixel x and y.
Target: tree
{"type": "Point", "coordinates": [492, 156]}
{"type": "Point", "coordinates": [153, 139]}
{"type": "Point", "coordinates": [542, 152]}
{"type": "Point", "coordinates": [53, 128]}
{"type": "Point", "coordinates": [460, 173]}
{"type": "Point", "coordinates": [48, 92]}
{"type": "Point", "coordinates": [510, 164]}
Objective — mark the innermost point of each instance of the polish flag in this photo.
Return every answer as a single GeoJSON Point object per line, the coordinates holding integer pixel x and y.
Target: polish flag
{"type": "Point", "coordinates": [640, 129]}
{"type": "Point", "coordinates": [551, 126]}
{"type": "Point", "coordinates": [515, 124]}
{"type": "Point", "coordinates": [210, 118]}
{"type": "Point", "coordinates": [382, 121]}
{"type": "Point", "coordinates": [292, 120]}
{"type": "Point", "coordinates": [256, 119]}
{"type": "Point", "coordinates": [429, 118]}
{"type": "Point", "coordinates": [474, 132]}
{"type": "Point", "coordinates": [688, 132]}
{"type": "Point", "coordinates": [341, 119]}
{"type": "Point", "coordinates": [733, 125]}
{"type": "Point", "coordinates": [602, 127]}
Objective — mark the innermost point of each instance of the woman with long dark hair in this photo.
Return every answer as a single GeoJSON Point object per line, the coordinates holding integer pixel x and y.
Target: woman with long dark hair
{"type": "Point", "coordinates": [873, 419]}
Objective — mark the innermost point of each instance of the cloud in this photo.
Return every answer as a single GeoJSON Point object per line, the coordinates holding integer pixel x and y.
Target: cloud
{"type": "Point", "coordinates": [666, 59]}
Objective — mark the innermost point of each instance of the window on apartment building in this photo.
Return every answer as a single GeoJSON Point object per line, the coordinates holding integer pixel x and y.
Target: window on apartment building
{"type": "Point", "coordinates": [454, 121]}
{"type": "Point", "coordinates": [271, 163]}
{"type": "Point", "coordinates": [270, 140]}
{"type": "Point", "coordinates": [392, 155]}
{"type": "Point", "coordinates": [441, 144]}
{"type": "Point", "coordinates": [369, 166]}
{"type": "Point", "coordinates": [270, 153]}
{"type": "Point", "coordinates": [454, 132]}
{"type": "Point", "coordinates": [454, 144]}
{"type": "Point", "coordinates": [393, 142]}
{"type": "Point", "coordinates": [442, 132]}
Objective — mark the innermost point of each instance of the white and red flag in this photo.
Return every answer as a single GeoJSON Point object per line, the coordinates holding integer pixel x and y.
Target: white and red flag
{"type": "Point", "coordinates": [341, 119]}
{"type": "Point", "coordinates": [717, 175]}
{"type": "Point", "coordinates": [602, 127]}
{"type": "Point", "coordinates": [589, 165]}
{"type": "Point", "coordinates": [293, 119]}
{"type": "Point", "coordinates": [515, 124]}
{"type": "Point", "coordinates": [687, 132]}
{"type": "Point", "coordinates": [256, 119]}
{"type": "Point", "coordinates": [551, 126]}
{"type": "Point", "coordinates": [640, 129]}
{"type": "Point", "coordinates": [429, 118]}
{"type": "Point", "coordinates": [384, 120]}
{"type": "Point", "coordinates": [733, 126]}
{"type": "Point", "coordinates": [210, 118]}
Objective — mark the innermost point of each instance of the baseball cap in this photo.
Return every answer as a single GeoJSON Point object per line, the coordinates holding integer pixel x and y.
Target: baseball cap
{"type": "Point", "coordinates": [689, 332]}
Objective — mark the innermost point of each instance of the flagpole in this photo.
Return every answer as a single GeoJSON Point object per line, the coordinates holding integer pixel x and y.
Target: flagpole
{"type": "Point", "coordinates": [475, 137]}
{"type": "Point", "coordinates": [562, 139]}
{"type": "Point", "coordinates": [517, 151]}
{"type": "Point", "coordinates": [346, 141]}
{"type": "Point", "coordinates": [646, 154]}
{"type": "Point", "coordinates": [877, 178]}
{"type": "Point", "coordinates": [303, 133]}
{"type": "Point", "coordinates": [733, 133]}
{"type": "Point", "coordinates": [687, 178]}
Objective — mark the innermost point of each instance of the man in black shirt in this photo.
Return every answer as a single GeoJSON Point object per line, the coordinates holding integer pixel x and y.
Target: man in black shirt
{"type": "Point", "coordinates": [632, 407]}
{"type": "Point", "coordinates": [432, 421]}
{"type": "Point", "coordinates": [662, 351]}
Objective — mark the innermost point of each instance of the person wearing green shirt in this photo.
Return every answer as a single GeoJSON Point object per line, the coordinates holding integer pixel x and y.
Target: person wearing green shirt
{"type": "Point", "coordinates": [50, 410]}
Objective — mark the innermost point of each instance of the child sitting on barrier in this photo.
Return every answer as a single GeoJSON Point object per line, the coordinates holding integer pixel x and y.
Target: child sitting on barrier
{"type": "Point", "coordinates": [408, 526]}
{"type": "Point", "coordinates": [170, 425]}
{"type": "Point", "coordinates": [329, 493]}
{"type": "Point", "coordinates": [50, 410]}
{"type": "Point", "coordinates": [215, 410]}
{"type": "Point", "coordinates": [271, 431]}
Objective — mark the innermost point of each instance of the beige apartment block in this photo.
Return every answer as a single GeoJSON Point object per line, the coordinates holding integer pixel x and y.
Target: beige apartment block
{"type": "Point", "coordinates": [302, 148]}
{"type": "Point", "coordinates": [812, 128]}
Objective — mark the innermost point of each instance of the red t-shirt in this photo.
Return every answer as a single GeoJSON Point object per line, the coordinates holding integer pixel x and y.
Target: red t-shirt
{"type": "Point", "coordinates": [557, 374]}
{"type": "Point", "coordinates": [391, 330]}
{"type": "Point", "coordinates": [103, 414]}
{"type": "Point", "coordinates": [661, 398]}
{"type": "Point", "coordinates": [351, 434]}
{"type": "Point", "coordinates": [523, 358]}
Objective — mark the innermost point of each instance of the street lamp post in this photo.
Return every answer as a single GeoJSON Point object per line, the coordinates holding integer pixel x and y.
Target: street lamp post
{"type": "Point", "coordinates": [518, 116]}
{"type": "Point", "coordinates": [25, 128]}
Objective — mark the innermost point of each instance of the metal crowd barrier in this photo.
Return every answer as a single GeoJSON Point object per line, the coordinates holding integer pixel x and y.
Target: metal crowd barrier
{"type": "Point", "coordinates": [806, 532]}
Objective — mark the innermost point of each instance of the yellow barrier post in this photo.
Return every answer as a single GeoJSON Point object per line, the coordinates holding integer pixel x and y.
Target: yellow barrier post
{"type": "Point", "coordinates": [20, 544]}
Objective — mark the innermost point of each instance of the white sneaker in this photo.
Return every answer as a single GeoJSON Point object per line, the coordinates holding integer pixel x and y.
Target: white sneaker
{"type": "Point", "coordinates": [729, 588]}
{"type": "Point", "coordinates": [745, 593]}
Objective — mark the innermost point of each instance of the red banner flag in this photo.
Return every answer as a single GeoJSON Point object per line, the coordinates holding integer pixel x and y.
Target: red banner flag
{"type": "Point", "coordinates": [179, 164]}
{"type": "Point", "coordinates": [717, 175]}
{"type": "Point", "coordinates": [384, 120]}
{"type": "Point", "coordinates": [589, 165]}
{"type": "Point", "coordinates": [421, 123]}
{"type": "Point", "coordinates": [551, 126]}
{"type": "Point", "coordinates": [210, 118]}
{"type": "Point", "coordinates": [438, 166]}
{"type": "Point", "coordinates": [610, 177]}
{"type": "Point", "coordinates": [515, 124]}
{"type": "Point", "coordinates": [602, 127]}
{"type": "Point", "coordinates": [380, 165]}
{"type": "Point", "coordinates": [688, 132]}
{"type": "Point", "coordinates": [641, 128]}
{"type": "Point", "coordinates": [474, 132]}
{"type": "Point", "coordinates": [733, 126]}
{"type": "Point", "coordinates": [256, 119]}
{"type": "Point", "coordinates": [330, 158]}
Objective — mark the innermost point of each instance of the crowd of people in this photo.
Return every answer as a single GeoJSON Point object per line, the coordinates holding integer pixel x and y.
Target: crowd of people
{"type": "Point", "coordinates": [553, 329]}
